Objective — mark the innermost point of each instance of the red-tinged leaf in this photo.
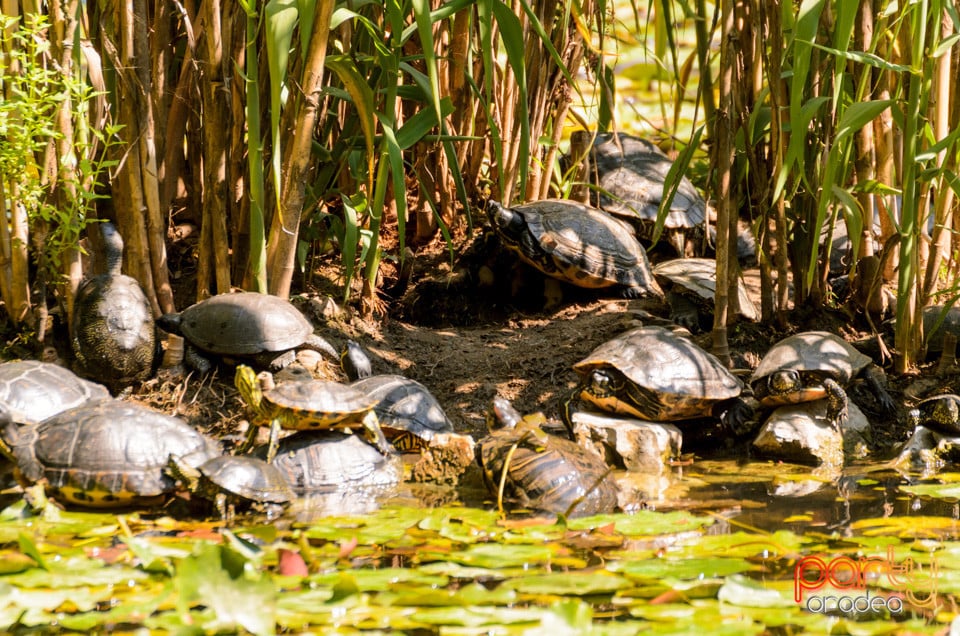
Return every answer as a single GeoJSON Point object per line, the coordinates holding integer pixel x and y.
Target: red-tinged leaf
{"type": "Point", "coordinates": [108, 555]}
{"type": "Point", "coordinates": [348, 546]}
{"type": "Point", "coordinates": [291, 563]}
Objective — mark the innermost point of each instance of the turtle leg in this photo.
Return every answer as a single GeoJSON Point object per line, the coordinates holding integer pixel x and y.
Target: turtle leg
{"type": "Point", "coordinates": [876, 379]}
{"type": "Point", "coordinates": [274, 442]}
{"type": "Point", "coordinates": [737, 417]}
{"type": "Point", "coordinates": [836, 403]}
{"type": "Point", "coordinates": [567, 405]}
{"type": "Point", "coordinates": [374, 434]}
{"type": "Point", "coordinates": [320, 345]}
{"type": "Point", "coordinates": [195, 359]}
{"type": "Point", "coordinates": [249, 440]}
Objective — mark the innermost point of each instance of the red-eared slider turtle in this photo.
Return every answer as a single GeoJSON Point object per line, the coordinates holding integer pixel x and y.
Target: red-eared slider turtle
{"type": "Point", "coordinates": [31, 391]}
{"type": "Point", "coordinates": [326, 461]}
{"type": "Point", "coordinates": [939, 413]}
{"type": "Point", "coordinates": [628, 174]}
{"type": "Point", "coordinates": [813, 365]}
{"type": "Point", "coordinates": [655, 375]}
{"type": "Point", "coordinates": [249, 325]}
{"type": "Point", "coordinates": [106, 454]}
{"type": "Point", "coordinates": [306, 405]}
{"type": "Point", "coordinates": [114, 337]}
{"type": "Point", "coordinates": [691, 284]}
{"type": "Point", "coordinates": [575, 243]}
{"type": "Point", "coordinates": [409, 414]}
{"type": "Point", "coordinates": [234, 481]}
{"type": "Point", "coordinates": [543, 472]}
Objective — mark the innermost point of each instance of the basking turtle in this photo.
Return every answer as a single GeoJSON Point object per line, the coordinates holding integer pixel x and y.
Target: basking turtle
{"type": "Point", "coordinates": [261, 327]}
{"type": "Point", "coordinates": [306, 405]}
{"type": "Point", "coordinates": [577, 244]}
{"type": "Point", "coordinates": [543, 472]}
{"type": "Point", "coordinates": [628, 175]}
{"type": "Point", "coordinates": [31, 391]}
{"type": "Point", "coordinates": [233, 481]}
{"type": "Point", "coordinates": [690, 284]}
{"type": "Point", "coordinates": [114, 337]}
{"type": "Point", "coordinates": [327, 461]}
{"type": "Point", "coordinates": [939, 413]}
{"type": "Point", "coordinates": [939, 321]}
{"type": "Point", "coordinates": [655, 375]}
{"type": "Point", "coordinates": [105, 454]}
{"type": "Point", "coordinates": [409, 414]}
{"type": "Point", "coordinates": [813, 365]}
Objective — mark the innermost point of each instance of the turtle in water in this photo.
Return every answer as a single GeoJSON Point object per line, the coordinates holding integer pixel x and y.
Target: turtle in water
{"type": "Point", "coordinates": [234, 481]}
{"type": "Point", "coordinates": [816, 364]}
{"type": "Point", "coordinates": [114, 336]}
{"type": "Point", "coordinates": [306, 405]}
{"type": "Point", "coordinates": [543, 472]}
{"type": "Point", "coordinates": [31, 391]}
{"type": "Point", "coordinates": [409, 414]}
{"type": "Point", "coordinates": [575, 243]}
{"type": "Point", "coordinates": [261, 328]}
{"type": "Point", "coordinates": [104, 454]}
{"type": "Point", "coordinates": [656, 375]}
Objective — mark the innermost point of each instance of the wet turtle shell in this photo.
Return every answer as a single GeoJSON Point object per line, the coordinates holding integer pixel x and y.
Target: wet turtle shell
{"type": "Point", "coordinates": [409, 414]}
{"type": "Point", "coordinates": [691, 284]}
{"type": "Point", "coordinates": [244, 324]}
{"type": "Point", "coordinates": [655, 375]}
{"type": "Point", "coordinates": [325, 461]}
{"type": "Point", "coordinates": [242, 480]}
{"type": "Point", "coordinates": [575, 243]}
{"type": "Point", "coordinates": [544, 472]}
{"type": "Point", "coordinates": [114, 334]}
{"type": "Point", "coordinates": [939, 413]}
{"type": "Point", "coordinates": [106, 454]}
{"type": "Point", "coordinates": [31, 391]}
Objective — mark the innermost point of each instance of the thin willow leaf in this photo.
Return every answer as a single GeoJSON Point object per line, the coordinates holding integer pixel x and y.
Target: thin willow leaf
{"type": "Point", "coordinates": [361, 95]}
{"type": "Point", "coordinates": [280, 23]}
{"type": "Point", "coordinates": [511, 36]}
{"type": "Point", "coordinates": [858, 115]}
{"type": "Point", "coordinates": [421, 14]}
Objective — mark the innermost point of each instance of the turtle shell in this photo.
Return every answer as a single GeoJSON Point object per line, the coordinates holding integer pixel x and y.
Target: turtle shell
{"type": "Point", "coordinates": [326, 461]}
{"type": "Point", "coordinates": [939, 413]}
{"type": "Point", "coordinates": [409, 414]}
{"type": "Point", "coordinates": [546, 473]}
{"type": "Point", "coordinates": [106, 454]}
{"type": "Point", "coordinates": [577, 243]}
{"type": "Point", "coordinates": [672, 378]}
{"type": "Point", "coordinates": [814, 355]}
{"type": "Point", "coordinates": [317, 403]}
{"type": "Point", "coordinates": [32, 390]}
{"type": "Point", "coordinates": [697, 277]}
{"type": "Point", "coordinates": [244, 323]}
{"type": "Point", "coordinates": [938, 321]}
{"type": "Point", "coordinates": [630, 174]}
{"type": "Point", "coordinates": [248, 478]}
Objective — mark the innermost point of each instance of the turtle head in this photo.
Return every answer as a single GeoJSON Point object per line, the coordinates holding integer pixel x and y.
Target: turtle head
{"type": "Point", "coordinates": [170, 323]}
{"type": "Point", "coordinates": [9, 433]}
{"type": "Point", "coordinates": [602, 384]}
{"type": "Point", "coordinates": [180, 470]}
{"type": "Point", "coordinates": [783, 381]}
{"type": "Point", "coordinates": [946, 413]}
{"type": "Point", "coordinates": [248, 384]}
{"type": "Point", "coordinates": [510, 225]}
{"type": "Point", "coordinates": [355, 362]}
{"type": "Point", "coordinates": [913, 418]}
{"type": "Point", "coordinates": [502, 414]}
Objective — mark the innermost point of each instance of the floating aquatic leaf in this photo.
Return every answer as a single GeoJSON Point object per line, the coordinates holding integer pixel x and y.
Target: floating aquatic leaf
{"type": "Point", "coordinates": [459, 571]}
{"type": "Point", "coordinates": [493, 555]}
{"type": "Point", "coordinates": [917, 526]}
{"type": "Point", "coordinates": [382, 579]}
{"type": "Point", "coordinates": [644, 522]}
{"type": "Point", "coordinates": [479, 616]}
{"type": "Point", "coordinates": [12, 562]}
{"type": "Point", "coordinates": [75, 572]}
{"type": "Point", "coordinates": [376, 529]}
{"type": "Point", "coordinates": [155, 557]}
{"type": "Point", "coordinates": [681, 568]}
{"type": "Point", "coordinates": [466, 525]}
{"type": "Point", "coordinates": [745, 592]}
{"type": "Point", "coordinates": [950, 490]}
{"type": "Point", "coordinates": [468, 595]}
{"type": "Point", "coordinates": [569, 583]}
{"type": "Point", "coordinates": [743, 544]}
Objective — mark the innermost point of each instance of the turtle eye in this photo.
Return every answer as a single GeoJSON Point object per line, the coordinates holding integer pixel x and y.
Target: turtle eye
{"type": "Point", "coordinates": [601, 381]}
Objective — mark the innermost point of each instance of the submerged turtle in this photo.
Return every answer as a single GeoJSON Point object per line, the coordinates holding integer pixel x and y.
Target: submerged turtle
{"type": "Point", "coordinates": [114, 337]}
{"type": "Point", "coordinates": [691, 284]}
{"type": "Point", "coordinates": [31, 391]}
{"type": "Point", "coordinates": [306, 405]}
{"type": "Point", "coordinates": [629, 174]}
{"type": "Point", "coordinates": [655, 375]}
{"type": "Point", "coordinates": [575, 243]}
{"type": "Point", "coordinates": [261, 327]}
{"type": "Point", "coordinates": [232, 481]}
{"type": "Point", "coordinates": [105, 454]}
{"type": "Point", "coordinates": [543, 472]}
{"type": "Point", "coordinates": [409, 414]}
{"type": "Point", "coordinates": [813, 365]}
{"type": "Point", "coordinates": [326, 461]}
{"type": "Point", "coordinates": [939, 413]}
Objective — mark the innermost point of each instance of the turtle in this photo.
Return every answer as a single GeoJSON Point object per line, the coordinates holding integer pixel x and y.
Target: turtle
{"type": "Point", "coordinates": [104, 454]}
{"type": "Point", "coordinates": [232, 481]}
{"type": "Point", "coordinates": [939, 413]}
{"type": "Point", "coordinates": [653, 374]}
{"type": "Point", "coordinates": [628, 174]}
{"type": "Point", "coordinates": [31, 390]}
{"type": "Point", "coordinates": [409, 414]}
{"type": "Point", "coordinates": [260, 328]}
{"type": "Point", "coordinates": [940, 321]}
{"type": "Point", "coordinates": [113, 332]}
{"type": "Point", "coordinates": [690, 285]}
{"type": "Point", "coordinates": [575, 243]}
{"type": "Point", "coordinates": [544, 472]}
{"type": "Point", "coordinates": [306, 405]}
{"type": "Point", "coordinates": [812, 365]}
{"type": "Point", "coordinates": [326, 461]}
